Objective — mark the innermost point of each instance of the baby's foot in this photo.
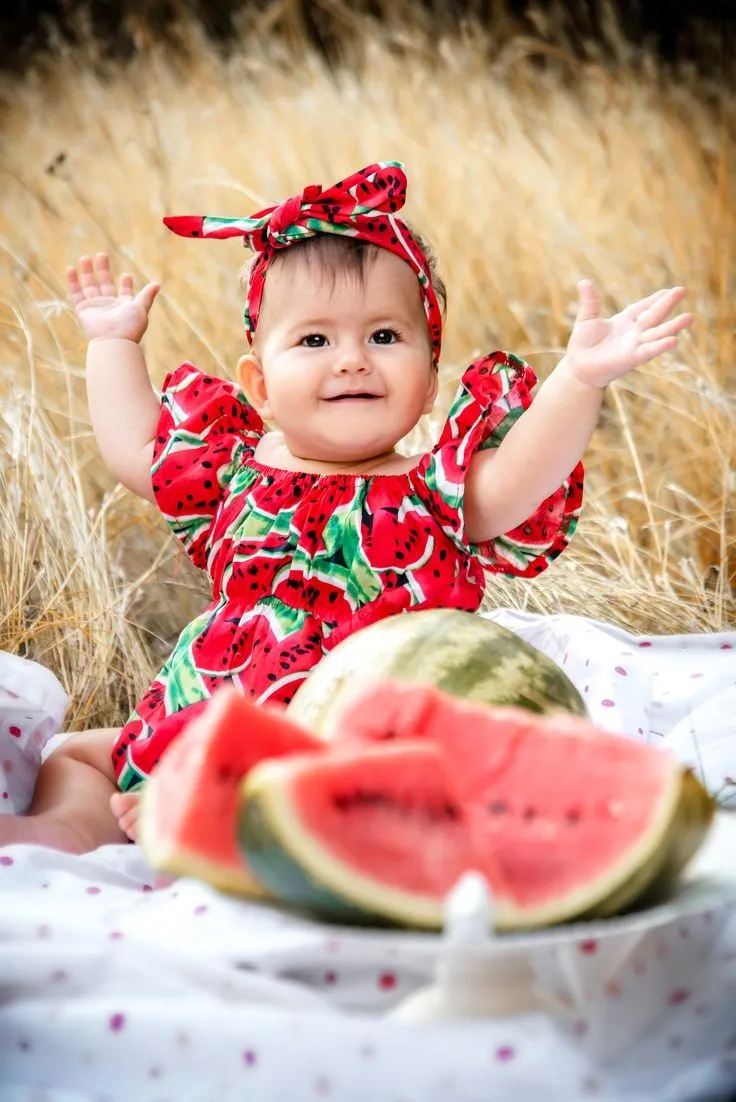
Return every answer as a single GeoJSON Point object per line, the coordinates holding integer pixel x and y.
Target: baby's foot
{"type": "Point", "coordinates": [124, 806]}
{"type": "Point", "coordinates": [41, 830]}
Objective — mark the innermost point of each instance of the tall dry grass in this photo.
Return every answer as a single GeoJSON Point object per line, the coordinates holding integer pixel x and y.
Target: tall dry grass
{"type": "Point", "coordinates": [526, 171]}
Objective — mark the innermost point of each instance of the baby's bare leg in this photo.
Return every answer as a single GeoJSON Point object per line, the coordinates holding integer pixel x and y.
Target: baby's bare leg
{"type": "Point", "coordinates": [70, 809]}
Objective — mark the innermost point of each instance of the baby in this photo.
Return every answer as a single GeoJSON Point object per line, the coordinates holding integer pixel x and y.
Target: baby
{"type": "Point", "coordinates": [317, 527]}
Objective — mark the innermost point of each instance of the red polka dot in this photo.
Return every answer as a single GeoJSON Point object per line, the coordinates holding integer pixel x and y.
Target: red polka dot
{"type": "Point", "coordinates": [613, 989]}
{"type": "Point", "coordinates": [15, 731]}
{"type": "Point", "coordinates": [115, 935]}
{"type": "Point", "coordinates": [249, 1058]}
{"type": "Point", "coordinates": [8, 766]}
{"type": "Point", "coordinates": [621, 670]}
{"type": "Point", "coordinates": [387, 981]}
{"type": "Point", "coordinates": [6, 861]}
{"type": "Point", "coordinates": [679, 996]}
{"type": "Point", "coordinates": [645, 644]}
{"type": "Point", "coordinates": [201, 909]}
{"type": "Point", "coordinates": [93, 890]}
{"type": "Point", "coordinates": [147, 888]}
{"type": "Point", "coordinates": [695, 676]}
{"type": "Point", "coordinates": [608, 703]}
{"type": "Point", "coordinates": [504, 1053]}
{"type": "Point", "coordinates": [726, 646]}
{"type": "Point", "coordinates": [589, 947]}
{"type": "Point", "coordinates": [330, 977]}
{"type": "Point", "coordinates": [6, 795]}
{"type": "Point", "coordinates": [117, 1022]}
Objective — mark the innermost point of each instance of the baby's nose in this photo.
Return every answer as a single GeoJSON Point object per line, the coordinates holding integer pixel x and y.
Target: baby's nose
{"type": "Point", "coordinates": [351, 361]}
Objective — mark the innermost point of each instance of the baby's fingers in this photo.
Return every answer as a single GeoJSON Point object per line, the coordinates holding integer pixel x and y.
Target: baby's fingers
{"type": "Point", "coordinates": [147, 295]}
{"type": "Point", "coordinates": [661, 307]}
{"type": "Point", "coordinates": [667, 329]}
{"type": "Point", "coordinates": [73, 286]}
{"type": "Point", "coordinates": [126, 285]}
{"type": "Point", "coordinates": [651, 349]}
{"type": "Point", "coordinates": [103, 274]}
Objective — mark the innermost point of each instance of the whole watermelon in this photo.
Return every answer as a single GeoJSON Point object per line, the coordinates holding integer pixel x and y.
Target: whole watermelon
{"type": "Point", "coordinates": [460, 653]}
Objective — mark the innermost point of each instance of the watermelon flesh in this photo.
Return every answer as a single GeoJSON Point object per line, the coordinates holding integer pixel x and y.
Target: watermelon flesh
{"type": "Point", "coordinates": [563, 820]}
{"type": "Point", "coordinates": [187, 824]}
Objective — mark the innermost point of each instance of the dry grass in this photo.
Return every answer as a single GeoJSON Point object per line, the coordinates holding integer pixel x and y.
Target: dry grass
{"type": "Point", "coordinates": [525, 176]}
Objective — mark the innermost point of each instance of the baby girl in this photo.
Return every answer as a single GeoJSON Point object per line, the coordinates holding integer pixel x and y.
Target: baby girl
{"type": "Point", "coordinates": [287, 486]}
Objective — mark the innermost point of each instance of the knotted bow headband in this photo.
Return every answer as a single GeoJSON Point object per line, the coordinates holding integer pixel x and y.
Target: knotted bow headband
{"type": "Point", "coordinates": [362, 206]}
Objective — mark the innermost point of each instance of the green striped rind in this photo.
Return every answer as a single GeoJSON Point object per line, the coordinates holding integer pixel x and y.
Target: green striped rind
{"type": "Point", "coordinates": [298, 868]}
{"type": "Point", "coordinates": [460, 653]}
{"type": "Point", "coordinates": [654, 880]}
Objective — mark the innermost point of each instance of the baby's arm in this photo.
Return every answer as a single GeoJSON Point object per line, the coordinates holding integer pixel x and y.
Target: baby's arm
{"type": "Point", "coordinates": [507, 484]}
{"type": "Point", "coordinates": [123, 405]}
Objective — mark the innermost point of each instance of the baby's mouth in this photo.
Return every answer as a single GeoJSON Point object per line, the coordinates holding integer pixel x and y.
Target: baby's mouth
{"type": "Point", "coordinates": [357, 396]}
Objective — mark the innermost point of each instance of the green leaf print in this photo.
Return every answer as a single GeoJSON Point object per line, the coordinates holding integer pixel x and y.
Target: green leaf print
{"type": "Point", "coordinates": [182, 680]}
{"type": "Point", "coordinates": [184, 684]}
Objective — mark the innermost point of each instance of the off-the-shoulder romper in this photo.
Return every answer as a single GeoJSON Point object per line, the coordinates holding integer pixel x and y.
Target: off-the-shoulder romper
{"type": "Point", "coordinates": [299, 561]}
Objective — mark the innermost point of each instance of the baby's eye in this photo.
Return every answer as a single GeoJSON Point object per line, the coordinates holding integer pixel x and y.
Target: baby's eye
{"type": "Point", "coordinates": [385, 336]}
{"type": "Point", "coordinates": [314, 340]}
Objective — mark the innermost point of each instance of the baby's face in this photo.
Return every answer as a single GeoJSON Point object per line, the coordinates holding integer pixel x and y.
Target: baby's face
{"type": "Point", "coordinates": [346, 364]}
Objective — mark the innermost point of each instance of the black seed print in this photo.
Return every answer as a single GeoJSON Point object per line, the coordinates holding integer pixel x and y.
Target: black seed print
{"type": "Point", "coordinates": [498, 807]}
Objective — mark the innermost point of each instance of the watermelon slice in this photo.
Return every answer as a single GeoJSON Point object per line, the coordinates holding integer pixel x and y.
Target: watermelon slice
{"type": "Point", "coordinates": [187, 824]}
{"type": "Point", "coordinates": [563, 820]}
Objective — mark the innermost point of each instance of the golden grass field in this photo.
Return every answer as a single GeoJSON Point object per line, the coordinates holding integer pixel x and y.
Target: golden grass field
{"type": "Point", "coordinates": [529, 168]}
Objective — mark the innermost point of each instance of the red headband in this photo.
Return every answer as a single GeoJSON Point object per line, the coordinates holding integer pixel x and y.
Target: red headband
{"type": "Point", "coordinates": [362, 206]}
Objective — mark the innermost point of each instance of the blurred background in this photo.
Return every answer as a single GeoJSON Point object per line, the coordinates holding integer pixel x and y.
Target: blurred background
{"type": "Point", "coordinates": [543, 143]}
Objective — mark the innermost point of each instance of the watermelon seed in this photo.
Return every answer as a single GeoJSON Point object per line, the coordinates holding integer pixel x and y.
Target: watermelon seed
{"type": "Point", "coordinates": [498, 807]}
{"type": "Point", "coordinates": [573, 815]}
{"type": "Point", "coordinates": [530, 813]}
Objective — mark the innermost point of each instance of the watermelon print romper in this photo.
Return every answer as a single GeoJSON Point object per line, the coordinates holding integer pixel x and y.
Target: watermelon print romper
{"type": "Point", "coordinates": [299, 561]}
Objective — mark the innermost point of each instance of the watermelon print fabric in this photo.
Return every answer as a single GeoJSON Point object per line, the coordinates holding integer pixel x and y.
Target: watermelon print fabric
{"type": "Point", "coordinates": [299, 561]}
{"type": "Point", "coordinates": [362, 206]}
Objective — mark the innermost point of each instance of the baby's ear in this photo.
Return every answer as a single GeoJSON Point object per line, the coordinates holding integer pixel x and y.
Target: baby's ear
{"type": "Point", "coordinates": [251, 378]}
{"type": "Point", "coordinates": [432, 390]}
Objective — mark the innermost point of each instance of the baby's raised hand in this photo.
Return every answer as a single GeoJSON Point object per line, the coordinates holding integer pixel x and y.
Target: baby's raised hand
{"type": "Point", "coordinates": [103, 311]}
{"type": "Point", "coordinates": [603, 349]}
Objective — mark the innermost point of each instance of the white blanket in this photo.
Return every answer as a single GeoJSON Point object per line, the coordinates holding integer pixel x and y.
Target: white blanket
{"type": "Point", "coordinates": [114, 987]}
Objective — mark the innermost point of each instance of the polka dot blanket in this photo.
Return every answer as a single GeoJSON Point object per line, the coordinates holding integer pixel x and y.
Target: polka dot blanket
{"type": "Point", "coordinates": [116, 986]}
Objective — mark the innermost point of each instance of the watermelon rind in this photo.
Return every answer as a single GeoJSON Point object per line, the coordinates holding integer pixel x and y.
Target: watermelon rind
{"type": "Point", "coordinates": [295, 867]}
{"type": "Point", "coordinates": [298, 868]}
{"type": "Point", "coordinates": [463, 654]}
{"type": "Point", "coordinates": [180, 861]}
{"type": "Point", "coordinates": [655, 881]}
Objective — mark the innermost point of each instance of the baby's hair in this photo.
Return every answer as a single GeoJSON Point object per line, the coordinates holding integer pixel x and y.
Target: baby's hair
{"type": "Point", "coordinates": [338, 254]}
